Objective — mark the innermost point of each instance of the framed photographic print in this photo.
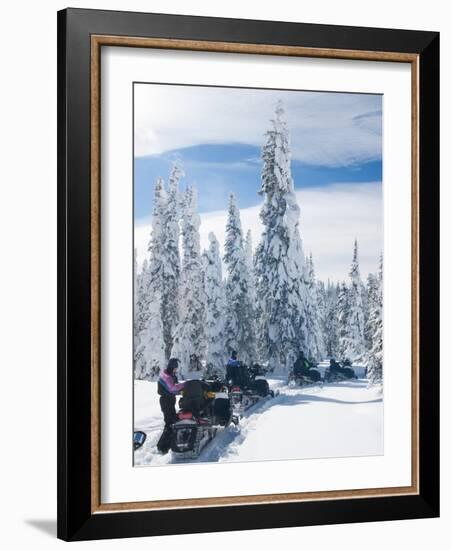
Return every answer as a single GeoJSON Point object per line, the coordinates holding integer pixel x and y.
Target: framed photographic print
{"type": "Point", "coordinates": [248, 274]}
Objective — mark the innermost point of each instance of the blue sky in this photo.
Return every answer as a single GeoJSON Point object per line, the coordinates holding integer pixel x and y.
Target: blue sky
{"type": "Point", "coordinates": [219, 169]}
{"type": "Point", "coordinates": [217, 134]}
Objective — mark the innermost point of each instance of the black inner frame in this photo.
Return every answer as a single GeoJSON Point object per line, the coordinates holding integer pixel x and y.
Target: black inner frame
{"type": "Point", "coordinates": [75, 520]}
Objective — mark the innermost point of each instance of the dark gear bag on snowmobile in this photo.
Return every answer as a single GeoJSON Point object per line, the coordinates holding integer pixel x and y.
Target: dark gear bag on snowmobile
{"type": "Point", "coordinates": [193, 399]}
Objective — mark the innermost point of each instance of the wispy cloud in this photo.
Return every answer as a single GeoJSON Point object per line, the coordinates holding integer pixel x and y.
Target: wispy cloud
{"type": "Point", "coordinates": [327, 129]}
{"type": "Point", "coordinates": [331, 218]}
{"type": "Point", "coordinates": [220, 169]}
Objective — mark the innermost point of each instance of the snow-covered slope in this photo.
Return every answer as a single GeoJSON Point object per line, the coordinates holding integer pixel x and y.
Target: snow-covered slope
{"type": "Point", "coordinates": [335, 420]}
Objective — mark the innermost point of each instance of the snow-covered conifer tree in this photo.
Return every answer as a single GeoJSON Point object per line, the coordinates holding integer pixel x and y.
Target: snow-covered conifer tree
{"type": "Point", "coordinates": [214, 307]}
{"type": "Point", "coordinates": [171, 261]}
{"type": "Point", "coordinates": [249, 259]}
{"type": "Point", "coordinates": [355, 347]}
{"type": "Point", "coordinates": [249, 352]}
{"type": "Point", "coordinates": [372, 289]}
{"type": "Point", "coordinates": [313, 317]}
{"type": "Point", "coordinates": [375, 355]}
{"type": "Point", "coordinates": [141, 299]}
{"type": "Point", "coordinates": [239, 326]}
{"type": "Point", "coordinates": [331, 326]}
{"type": "Point", "coordinates": [135, 300]}
{"type": "Point", "coordinates": [149, 354]}
{"type": "Point", "coordinates": [280, 264]}
{"type": "Point", "coordinates": [189, 337]}
{"type": "Point", "coordinates": [343, 313]}
{"type": "Point", "coordinates": [321, 294]}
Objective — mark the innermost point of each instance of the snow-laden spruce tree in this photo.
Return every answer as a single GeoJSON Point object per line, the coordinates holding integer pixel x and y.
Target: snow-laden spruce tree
{"type": "Point", "coordinates": [171, 259]}
{"type": "Point", "coordinates": [375, 355]}
{"type": "Point", "coordinates": [343, 313]}
{"type": "Point", "coordinates": [280, 265]}
{"type": "Point", "coordinates": [239, 325]}
{"type": "Point", "coordinates": [149, 354]}
{"type": "Point", "coordinates": [321, 295]}
{"type": "Point", "coordinates": [189, 336]}
{"type": "Point", "coordinates": [355, 349]}
{"type": "Point", "coordinates": [314, 317]}
{"type": "Point", "coordinates": [330, 320]}
{"type": "Point", "coordinates": [250, 350]}
{"type": "Point", "coordinates": [371, 293]}
{"type": "Point", "coordinates": [249, 259]}
{"type": "Point", "coordinates": [214, 307]}
{"type": "Point", "coordinates": [141, 299]}
{"type": "Point", "coordinates": [135, 300]}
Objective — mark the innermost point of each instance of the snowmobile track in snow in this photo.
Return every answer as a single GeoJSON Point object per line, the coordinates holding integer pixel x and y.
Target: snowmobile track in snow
{"type": "Point", "coordinates": [220, 446]}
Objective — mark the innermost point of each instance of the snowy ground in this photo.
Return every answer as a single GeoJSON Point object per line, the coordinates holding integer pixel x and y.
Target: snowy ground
{"type": "Point", "coordinates": [335, 420]}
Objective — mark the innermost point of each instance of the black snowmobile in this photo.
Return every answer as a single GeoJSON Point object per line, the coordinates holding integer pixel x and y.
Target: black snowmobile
{"type": "Point", "coordinates": [304, 373]}
{"type": "Point", "coordinates": [205, 406]}
{"type": "Point", "coordinates": [247, 386]}
{"type": "Point", "coordinates": [337, 373]}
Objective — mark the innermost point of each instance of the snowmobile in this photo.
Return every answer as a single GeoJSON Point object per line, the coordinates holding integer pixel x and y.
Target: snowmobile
{"type": "Point", "coordinates": [205, 407]}
{"type": "Point", "coordinates": [247, 386]}
{"type": "Point", "coordinates": [305, 376]}
{"type": "Point", "coordinates": [339, 374]}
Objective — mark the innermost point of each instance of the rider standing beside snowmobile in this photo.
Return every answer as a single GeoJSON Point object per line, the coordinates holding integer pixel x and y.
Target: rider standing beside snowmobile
{"type": "Point", "coordinates": [168, 388]}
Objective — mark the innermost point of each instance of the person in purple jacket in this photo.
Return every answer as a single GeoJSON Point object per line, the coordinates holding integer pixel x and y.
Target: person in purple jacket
{"type": "Point", "coordinates": [168, 388]}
